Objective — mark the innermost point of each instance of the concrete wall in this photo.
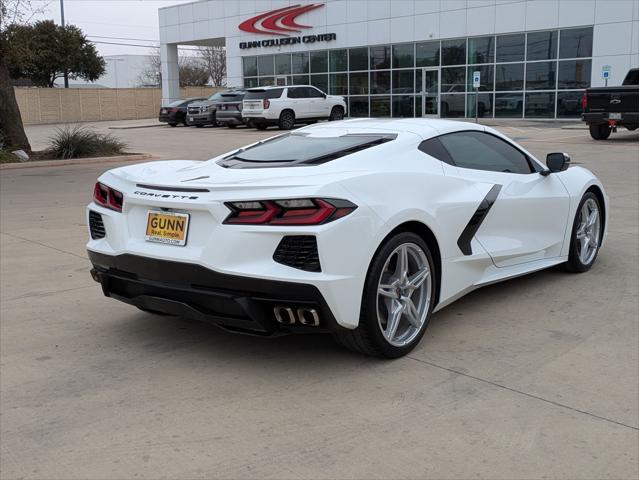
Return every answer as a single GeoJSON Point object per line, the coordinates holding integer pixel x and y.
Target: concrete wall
{"type": "Point", "coordinates": [60, 105]}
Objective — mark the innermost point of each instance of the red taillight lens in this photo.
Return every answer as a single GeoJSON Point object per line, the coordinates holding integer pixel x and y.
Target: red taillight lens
{"type": "Point", "coordinates": [173, 110]}
{"type": "Point", "coordinates": [108, 197]}
{"type": "Point", "coordinates": [299, 211]}
{"type": "Point", "coordinates": [266, 103]}
{"type": "Point", "coordinates": [584, 102]}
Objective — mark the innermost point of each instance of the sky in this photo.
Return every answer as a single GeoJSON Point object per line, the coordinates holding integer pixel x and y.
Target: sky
{"type": "Point", "coordinates": [113, 21]}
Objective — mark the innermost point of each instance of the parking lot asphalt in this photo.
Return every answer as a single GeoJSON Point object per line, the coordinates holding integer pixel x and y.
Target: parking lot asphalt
{"type": "Point", "coordinates": [537, 377]}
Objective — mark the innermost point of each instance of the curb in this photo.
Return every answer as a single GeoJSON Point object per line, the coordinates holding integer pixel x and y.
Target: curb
{"type": "Point", "coordinates": [136, 157]}
{"type": "Point", "coordinates": [130, 127]}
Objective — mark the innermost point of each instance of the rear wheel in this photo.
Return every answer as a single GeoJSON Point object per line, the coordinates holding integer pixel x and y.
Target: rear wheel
{"type": "Point", "coordinates": [261, 126]}
{"type": "Point", "coordinates": [600, 132]}
{"type": "Point", "coordinates": [337, 113]}
{"type": "Point", "coordinates": [587, 233]}
{"type": "Point", "coordinates": [231, 125]}
{"type": "Point", "coordinates": [287, 120]}
{"type": "Point", "coordinates": [398, 299]}
{"type": "Point", "coordinates": [173, 124]}
{"type": "Point", "coordinates": [199, 125]}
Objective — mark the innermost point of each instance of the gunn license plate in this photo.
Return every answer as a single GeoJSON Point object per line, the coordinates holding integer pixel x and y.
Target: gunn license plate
{"type": "Point", "coordinates": [614, 116]}
{"type": "Point", "coordinates": [167, 227]}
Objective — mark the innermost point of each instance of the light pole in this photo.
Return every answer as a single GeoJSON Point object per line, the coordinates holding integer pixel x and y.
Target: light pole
{"type": "Point", "coordinates": [66, 74]}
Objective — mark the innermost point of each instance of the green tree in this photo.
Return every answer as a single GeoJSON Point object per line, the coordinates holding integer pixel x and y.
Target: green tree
{"type": "Point", "coordinates": [43, 52]}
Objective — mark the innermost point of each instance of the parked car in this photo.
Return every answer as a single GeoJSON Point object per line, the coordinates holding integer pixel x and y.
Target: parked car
{"type": "Point", "coordinates": [286, 106]}
{"type": "Point", "coordinates": [606, 108]}
{"type": "Point", "coordinates": [204, 112]}
{"type": "Point", "coordinates": [229, 109]}
{"type": "Point", "coordinates": [175, 112]}
{"type": "Point", "coordinates": [361, 228]}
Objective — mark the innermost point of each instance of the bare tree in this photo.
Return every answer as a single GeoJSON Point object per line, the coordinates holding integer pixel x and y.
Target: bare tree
{"type": "Point", "coordinates": [193, 72]}
{"type": "Point", "coordinates": [215, 60]}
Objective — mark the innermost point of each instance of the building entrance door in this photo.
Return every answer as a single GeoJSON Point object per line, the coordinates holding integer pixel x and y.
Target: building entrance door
{"type": "Point", "coordinates": [280, 81]}
{"type": "Point", "coordinates": [430, 92]}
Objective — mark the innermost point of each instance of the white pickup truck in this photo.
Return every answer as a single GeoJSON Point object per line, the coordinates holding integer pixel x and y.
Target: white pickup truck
{"type": "Point", "coordinates": [288, 105]}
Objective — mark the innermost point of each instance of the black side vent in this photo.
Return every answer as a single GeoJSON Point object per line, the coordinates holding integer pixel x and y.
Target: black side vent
{"type": "Point", "coordinates": [96, 226]}
{"type": "Point", "coordinates": [298, 251]}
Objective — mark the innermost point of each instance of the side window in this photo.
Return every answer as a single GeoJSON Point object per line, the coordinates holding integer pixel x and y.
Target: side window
{"type": "Point", "coordinates": [314, 93]}
{"type": "Point", "coordinates": [294, 92]}
{"type": "Point", "coordinates": [435, 149]}
{"type": "Point", "coordinates": [482, 151]}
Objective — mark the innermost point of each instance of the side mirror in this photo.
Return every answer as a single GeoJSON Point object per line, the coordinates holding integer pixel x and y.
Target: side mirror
{"type": "Point", "coordinates": [557, 162]}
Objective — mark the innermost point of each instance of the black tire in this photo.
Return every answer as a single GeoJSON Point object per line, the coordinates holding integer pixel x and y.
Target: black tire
{"type": "Point", "coordinates": [574, 263]}
{"type": "Point", "coordinates": [154, 312]}
{"type": "Point", "coordinates": [600, 132]}
{"type": "Point", "coordinates": [231, 125]}
{"type": "Point", "coordinates": [287, 120]}
{"type": "Point", "coordinates": [173, 124]}
{"type": "Point", "coordinates": [337, 113]}
{"type": "Point", "coordinates": [199, 125]}
{"type": "Point", "coordinates": [261, 126]}
{"type": "Point", "coordinates": [368, 338]}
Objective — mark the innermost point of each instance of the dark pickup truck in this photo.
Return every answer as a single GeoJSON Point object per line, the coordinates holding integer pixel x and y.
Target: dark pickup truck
{"type": "Point", "coordinates": [606, 108]}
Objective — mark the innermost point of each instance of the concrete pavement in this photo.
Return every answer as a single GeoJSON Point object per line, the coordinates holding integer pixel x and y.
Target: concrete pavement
{"type": "Point", "coordinates": [532, 378]}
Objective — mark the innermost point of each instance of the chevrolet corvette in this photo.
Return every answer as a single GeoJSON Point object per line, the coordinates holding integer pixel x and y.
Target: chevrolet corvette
{"type": "Point", "coordinates": [360, 228]}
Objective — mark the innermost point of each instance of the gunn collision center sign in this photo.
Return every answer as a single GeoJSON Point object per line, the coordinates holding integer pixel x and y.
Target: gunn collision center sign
{"type": "Point", "coordinates": [282, 22]}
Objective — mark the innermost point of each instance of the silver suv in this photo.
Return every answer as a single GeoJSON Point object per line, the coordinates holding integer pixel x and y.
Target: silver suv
{"type": "Point", "coordinates": [204, 112]}
{"type": "Point", "coordinates": [286, 106]}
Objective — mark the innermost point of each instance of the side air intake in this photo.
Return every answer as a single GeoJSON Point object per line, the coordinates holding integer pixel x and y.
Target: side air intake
{"type": "Point", "coordinates": [298, 251]}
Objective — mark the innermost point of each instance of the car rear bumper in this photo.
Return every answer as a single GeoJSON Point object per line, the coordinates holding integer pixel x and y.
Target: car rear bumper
{"type": "Point", "coordinates": [600, 118]}
{"type": "Point", "coordinates": [235, 303]}
{"type": "Point", "coordinates": [234, 118]}
{"type": "Point", "coordinates": [168, 118]}
{"type": "Point", "coordinates": [259, 120]}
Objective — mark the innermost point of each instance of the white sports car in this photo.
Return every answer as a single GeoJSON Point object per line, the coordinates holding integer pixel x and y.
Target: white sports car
{"type": "Point", "coordinates": [361, 228]}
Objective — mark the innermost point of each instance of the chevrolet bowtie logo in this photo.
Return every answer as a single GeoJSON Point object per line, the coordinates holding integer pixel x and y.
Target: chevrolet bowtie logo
{"type": "Point", "coordinates": [615, 101]}
{"type": "Point", "coordinates": [278, 22]}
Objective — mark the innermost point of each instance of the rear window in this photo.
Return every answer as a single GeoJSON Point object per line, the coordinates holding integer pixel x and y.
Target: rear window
{"type": "Point", "coordinates": [232, 97]}
{"type": "Point", "coordinates": [215, 96]}
{"type": "Point", "coordinates": [262, 94]}
{"type": "Point", "coordinates": [296, 149]}
{"type": "Point", "coordinates": [632, 78]}
{"type": "Point", "coordinates": [179, 103]}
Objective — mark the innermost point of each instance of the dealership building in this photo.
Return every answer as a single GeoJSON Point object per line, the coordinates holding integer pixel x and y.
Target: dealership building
{"type": "Point", "coordinates": [413, 58]}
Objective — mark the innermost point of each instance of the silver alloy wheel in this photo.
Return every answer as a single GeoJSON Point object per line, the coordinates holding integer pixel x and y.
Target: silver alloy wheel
{"type": "Point", "coordinates": [588, 231]}
{"type": "Point", "coordinates": [404, 294]}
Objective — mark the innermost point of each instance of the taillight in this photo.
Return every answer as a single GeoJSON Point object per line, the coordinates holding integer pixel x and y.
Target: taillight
{"type": "Point", "coordinates": [173, 110]}
{"type": "Point", "coordinates": [266, 103]}
{"type": "Point", "coordinates": [299, 211]}
{"type": "Point", "coordinates": [239, 107]}
{"type": "Point", "coordinates": [584, 102]}
{"type": "Point", "coordinates": [108, 197]}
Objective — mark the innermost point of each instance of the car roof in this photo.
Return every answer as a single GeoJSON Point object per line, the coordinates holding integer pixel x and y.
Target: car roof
{"type": "Point", "coordinates": [423, 127]}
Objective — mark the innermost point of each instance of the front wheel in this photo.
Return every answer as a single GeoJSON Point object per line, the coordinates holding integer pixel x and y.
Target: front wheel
{"type": "Point", "coordinates": [287, 120]}
{"type": "Point", "coordinates": [600, 132]}
{"type": "Point", "coordinates": [398, 299]}
{"type": "Point", "coordinates": [173, 124]}
{"type": "Point", "coordinates": [587, 233]}
{"type": "Point", "coordinates": [337, 113]}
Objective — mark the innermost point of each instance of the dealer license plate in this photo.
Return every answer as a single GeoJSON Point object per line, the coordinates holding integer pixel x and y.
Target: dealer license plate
{"type": "Point", "coordinates": [614, 116]}
{"type": "Point", "coordinates": [167, 227]}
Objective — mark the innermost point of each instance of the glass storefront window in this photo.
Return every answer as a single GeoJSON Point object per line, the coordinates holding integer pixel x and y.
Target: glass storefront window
{"type": "Point", "coordinates": [569, 104]}
{"type": "Point", "coordinates": [358, 83]}
{"type": "Point", "coordinates": [265, 65]}
{"type": "Point", "coordinates": [403, 106]}
{"type": "Point", "coordinates": [481, 50]}
{"type": "Point", "coordinates": [510, 48]}
{"type": "Point", "coordinates": [320, 81]}
{"type": "Point", "coordinates": [358, 106]}
{"type": "Point", "coordinates": [338, 84]}
{"type": "Point", "coordinates": [575, 43]}
{"type": "Point", "coordinates": [250, 82]}
{"type": "Point", "coordinates": [404, 81]}
{"type": "Point", "coordinates": [540, 105]}
{"type": "Point", "coordinates": [283, 64]}
{"type": "Point", "coordinates": [358, 58]}
{"type": "Point", "coordinates": [574, 74]}
{"type": "Point", "coordinates": [509, 104]}
{"type": "Point", "coordinates": [509, 76]}
{"type": "Point", "coordinates": [265, 81]}
{"type": "Point", "coordinates": [542, 45]}
{"type": "Point", "coordinates": [403, 56]}
{"type": "Point", "coordinates": [380, 107]}
{"type": "Point", "coordinates": [453, 79]}
{"type": "Point", "coordinates": [300, 62]}
{"type": "Point", "coordinates": [427, 54]}
{"type": "Point", "coordinates": [540, 75]}
{"type": "Point", "coordinates": [454, 52]}
{"type": "Point", "coordinates": [300, 80]}
{"type": "Point", "coordinates": [380, 82]}
{"type": "Point", "coordinates": [338, 60]}
{"type": "Point", "coordinates": [486, 78]}
{"type": "Point", "coordinates": [380, 57]}
{"type": "Point", "coordinates": [453, 106]}
{"type": "Point", "coordinates": [319, 62]}
{"type": "Point", "coordinates": [249, 66]}
{"type": "Point", "coordinates": [484, 105]}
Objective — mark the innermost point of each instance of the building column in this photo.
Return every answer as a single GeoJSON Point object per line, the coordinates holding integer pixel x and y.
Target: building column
{"type": "Point", "coordinates": [170, 73]}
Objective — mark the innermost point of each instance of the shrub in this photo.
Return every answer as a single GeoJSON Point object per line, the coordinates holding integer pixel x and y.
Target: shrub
{"type": "Point", "coordinates": [77, 142]}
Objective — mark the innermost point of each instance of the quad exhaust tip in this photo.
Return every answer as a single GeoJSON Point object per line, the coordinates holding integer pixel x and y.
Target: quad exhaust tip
{"type": "Point", "coordinates": [305, 316]}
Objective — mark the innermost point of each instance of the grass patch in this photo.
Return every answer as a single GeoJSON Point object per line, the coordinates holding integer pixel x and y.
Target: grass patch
{"type": "Point", "coordinates": [82, 142]}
